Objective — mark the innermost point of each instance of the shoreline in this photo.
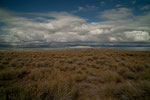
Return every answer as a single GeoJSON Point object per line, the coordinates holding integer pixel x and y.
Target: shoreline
{"type": "Point", "coordinates": [78, 48]}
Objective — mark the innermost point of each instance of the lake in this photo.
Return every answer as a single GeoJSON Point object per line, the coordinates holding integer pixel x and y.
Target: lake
{"type": "Point", "coordinates": [118, 48]}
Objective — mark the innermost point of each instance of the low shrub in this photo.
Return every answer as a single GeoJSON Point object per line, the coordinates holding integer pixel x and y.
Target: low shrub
{"type": "Point", "coordinates": [126, 91]}
{"type": "Point", "coordinates": [111, 76]}
{"type": "Point", "coordinates": [12, 74]}
{"type": "Point", "coordinates": [145, 75]}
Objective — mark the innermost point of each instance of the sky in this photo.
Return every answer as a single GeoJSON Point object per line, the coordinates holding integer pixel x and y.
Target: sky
{"type": "Point", "coordinates": [41, 21]}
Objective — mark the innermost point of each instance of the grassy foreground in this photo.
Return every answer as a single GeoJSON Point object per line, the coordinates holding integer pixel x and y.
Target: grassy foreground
{"type": "Point", "coordinates": [89, 74]}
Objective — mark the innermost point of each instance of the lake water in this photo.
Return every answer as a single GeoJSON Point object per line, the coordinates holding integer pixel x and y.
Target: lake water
{"type": "Point", "coordinates": [118, 48]}
{"type": "Point", "coordinates": [131, 48]}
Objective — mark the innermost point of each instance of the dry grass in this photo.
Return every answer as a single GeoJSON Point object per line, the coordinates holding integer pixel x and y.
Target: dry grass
{"type": "Point", "coordinates": [88, 74]}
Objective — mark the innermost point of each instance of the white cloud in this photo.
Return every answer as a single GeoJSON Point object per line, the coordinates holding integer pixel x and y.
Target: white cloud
{"type": "Point", "coordinates": [137, 35]}
{"type": "Point", "coordinates": [102, 3]}
{"type": "Point", "coordinates": [118, 5]}
{"type": "Point", "coordinates": [66, 27]}
{"type": "Point", "coordinates": [134, 1]}
{"type": "Point", "coordinates": [85, 8]}
{"type": "Point", "coordinates": [147, 7]}
{"type": "Point", "coordinates": [96, 31]}
{"type": "Point", "coordinates": [115, 14]}
{"type": "Point", "coordinates": [112, 39]}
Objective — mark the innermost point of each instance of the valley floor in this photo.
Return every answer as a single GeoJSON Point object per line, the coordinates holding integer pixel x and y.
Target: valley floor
{"type": "Point", "coordinates": [81, 74]}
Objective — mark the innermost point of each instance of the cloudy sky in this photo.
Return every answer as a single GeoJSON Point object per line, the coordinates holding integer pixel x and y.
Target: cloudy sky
{"type": "Point", "coordinates": [39, 21]}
